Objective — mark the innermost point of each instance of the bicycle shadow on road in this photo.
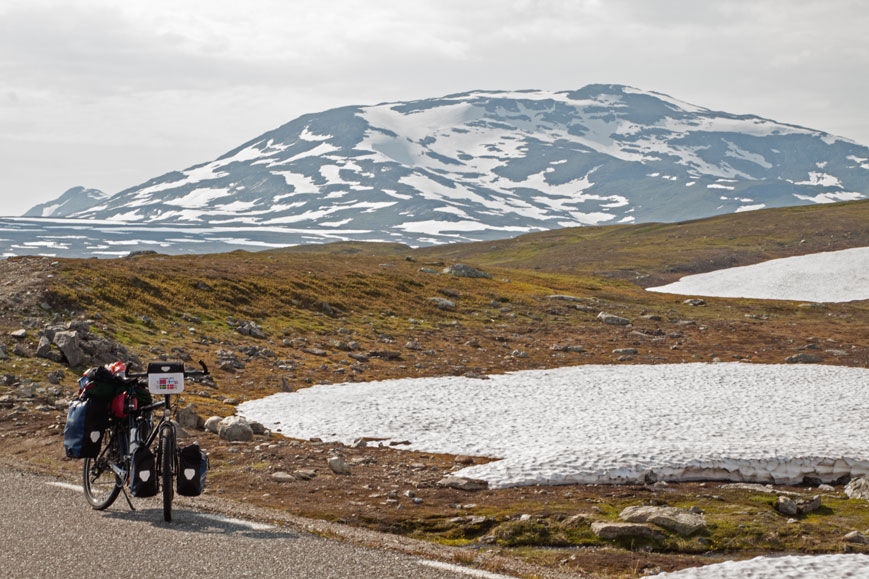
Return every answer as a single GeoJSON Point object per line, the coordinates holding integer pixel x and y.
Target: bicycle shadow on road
{"type": "Point", "coordinates": [189, 521]}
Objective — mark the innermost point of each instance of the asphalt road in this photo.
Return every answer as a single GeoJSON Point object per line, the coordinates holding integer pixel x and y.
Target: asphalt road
{"type": "Point", "coordinates": [48, 530]}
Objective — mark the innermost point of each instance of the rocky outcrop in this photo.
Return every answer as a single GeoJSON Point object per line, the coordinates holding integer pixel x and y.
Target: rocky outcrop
{"type": "Point", "coordinates": [795, 507]}
{"type": "Point", "coordinates": [463, 484]}
{"type": "Point", "coordinates": [443, 303]}
{"type": "Point", "coordinates": [858, 488]}
{"type": "Point", "coordinates": [613, 530]}
{"type": "Point", "coordinates": [613, 319]}
{"type": "Point", "coordinates": [462, 270]}
{"type": "Point", "coordinates": [680, 521]}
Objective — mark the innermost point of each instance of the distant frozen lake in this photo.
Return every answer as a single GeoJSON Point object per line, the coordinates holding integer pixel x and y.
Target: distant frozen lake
{"type": "Point", "coordinates": [605, 423]}
{"type": "Point", "coordinates": [832, 276]}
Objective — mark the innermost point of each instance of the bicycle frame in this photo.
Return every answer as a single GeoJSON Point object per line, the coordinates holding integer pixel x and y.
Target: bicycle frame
{"type": "Point", "coordinates": [125, 436]}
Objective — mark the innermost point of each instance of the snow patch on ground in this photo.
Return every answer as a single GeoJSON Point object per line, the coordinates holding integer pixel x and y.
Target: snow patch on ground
{"type": "Point", "coordinates": [789, 567]}
{"type": "Point", "coordinates": [605, 424]}
{"type": "Point", "coordinates": [832, 276]}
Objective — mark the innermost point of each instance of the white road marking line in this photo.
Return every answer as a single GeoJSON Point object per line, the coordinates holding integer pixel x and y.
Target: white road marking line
{"type": "Point", "coordinates": [464, 570]}
{"type": "Point", "coordinates": [241, 522]}
{"type": "Point", "coordinates": [64, 485]}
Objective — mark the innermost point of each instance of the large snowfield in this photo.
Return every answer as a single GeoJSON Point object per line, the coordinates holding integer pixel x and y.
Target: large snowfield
{"type": "Point", "coordinates": [789, 567]}
{"type": "Point", "coordinates": [605, 424]}
{"type": "Point", "coordinates": [832, 276]}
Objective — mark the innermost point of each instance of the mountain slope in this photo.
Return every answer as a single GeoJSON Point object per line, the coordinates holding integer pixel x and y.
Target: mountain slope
{"type": "Point", "coordinates": [484, 165]}
{"type": "Point", "coordinates": [73, 200]}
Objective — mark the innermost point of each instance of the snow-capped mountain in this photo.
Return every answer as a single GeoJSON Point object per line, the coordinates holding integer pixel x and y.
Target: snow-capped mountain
{"type": "Point", "coordinates": [490, 164]}
{"type": "Point", "coordinates": [72, 201]}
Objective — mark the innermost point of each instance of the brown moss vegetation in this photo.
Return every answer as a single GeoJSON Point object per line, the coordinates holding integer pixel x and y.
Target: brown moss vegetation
{"type": "Point", "coordinates": [319, 305]}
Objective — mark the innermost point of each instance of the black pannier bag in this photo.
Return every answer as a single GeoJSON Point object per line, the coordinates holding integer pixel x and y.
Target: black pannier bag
{"type": "Point", "coordinates": [85, 424]}
{"type": "Point", "coordinates": [192, 466]}
{"type": "Point", "coordinates": [143, 475]}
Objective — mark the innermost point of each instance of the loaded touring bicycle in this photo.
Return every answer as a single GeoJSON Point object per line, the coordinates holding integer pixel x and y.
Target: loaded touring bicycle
{"type": "Point", "coordinates": [111, 426]}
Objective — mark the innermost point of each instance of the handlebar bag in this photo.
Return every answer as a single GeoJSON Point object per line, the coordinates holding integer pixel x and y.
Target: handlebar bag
{"type": "Point", "coordinates": [192, 468]}
{"type": "Point", "coordinates": [143, 474]}
{"type": "Point", "coordinates": [83, 432]}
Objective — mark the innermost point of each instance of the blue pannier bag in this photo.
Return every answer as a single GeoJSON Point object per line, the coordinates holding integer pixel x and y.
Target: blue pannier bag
{"type": "Point", "coordinates": [83, 433]}
{"type": "Point", "coordinates": [192, 467]}
{"type": "Point", "coordinates": [143, 478]}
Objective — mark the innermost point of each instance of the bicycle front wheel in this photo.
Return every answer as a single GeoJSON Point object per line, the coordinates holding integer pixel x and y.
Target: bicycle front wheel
{"type": "Point", "coordinates": [101, 485]}
{"type": "Point", "coordinates": [167, 466]}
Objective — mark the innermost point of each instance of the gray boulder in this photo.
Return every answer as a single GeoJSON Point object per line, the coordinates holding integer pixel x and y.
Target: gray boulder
{"type": "Point", "coordinates": [564, 297]}
{"type": "Point", "coordinates": [443, 303]}
{"type": "Point", "coordinates": [679, 521]}
{"type": "Point", "coordinates": [613, 530]}
{"type": "Point", "coordinates": [858, 488]}
{"type": "Point", "coordinates": [613, 319]}
{"type": "Point", "coordinates": [213, 424]}
{"type": "Point", "coordinates": [338, 466]}
{"type": "Point", "coordinates": [235, 429]}
{"type": "Point", "coordinates": [786, 506]}
{"type": "Point", "coordinates": [189, 418]}
{"type": "Point", "coordinates": [463, 484]}
{"type": "Point", "coordinates": [19, 334]}
{"type": "Point", "coordinates": [44, 348]}
{"type": "Point", "coordinates": [803, 358]}
{"type": "Point", "coordinates": [462, 270]}
{"type": "Point", "coordinates": [3, 354]}
{"type": "Point", "coordinates": [283, 477]}
{"type": "Point", "coordinates": [69, 344]}
{"type": "Point", "coordinates": [856, 537]}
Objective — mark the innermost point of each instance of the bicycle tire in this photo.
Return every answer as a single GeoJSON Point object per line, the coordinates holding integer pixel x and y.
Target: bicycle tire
{"type": "Point", "coordinates": [167, 465]}
{"type": "Point", "coordinates": [101, 485]}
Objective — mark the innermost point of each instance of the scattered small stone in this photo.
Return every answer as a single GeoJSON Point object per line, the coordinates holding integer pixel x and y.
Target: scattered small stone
{"type": "Point", "coordinates": [625, 351]}
{"type": "Point", "coordinates": [19, 334]}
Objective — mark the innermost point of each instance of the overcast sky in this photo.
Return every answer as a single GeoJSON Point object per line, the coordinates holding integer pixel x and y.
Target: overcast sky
{"type": "Point", "coordinates": [107, 94]}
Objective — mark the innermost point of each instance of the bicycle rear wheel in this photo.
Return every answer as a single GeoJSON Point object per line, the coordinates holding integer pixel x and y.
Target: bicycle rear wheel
{"type": "Point", "coordinates": [101, 485]}
{"type": "Point", "coordinates": [167, 466]}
